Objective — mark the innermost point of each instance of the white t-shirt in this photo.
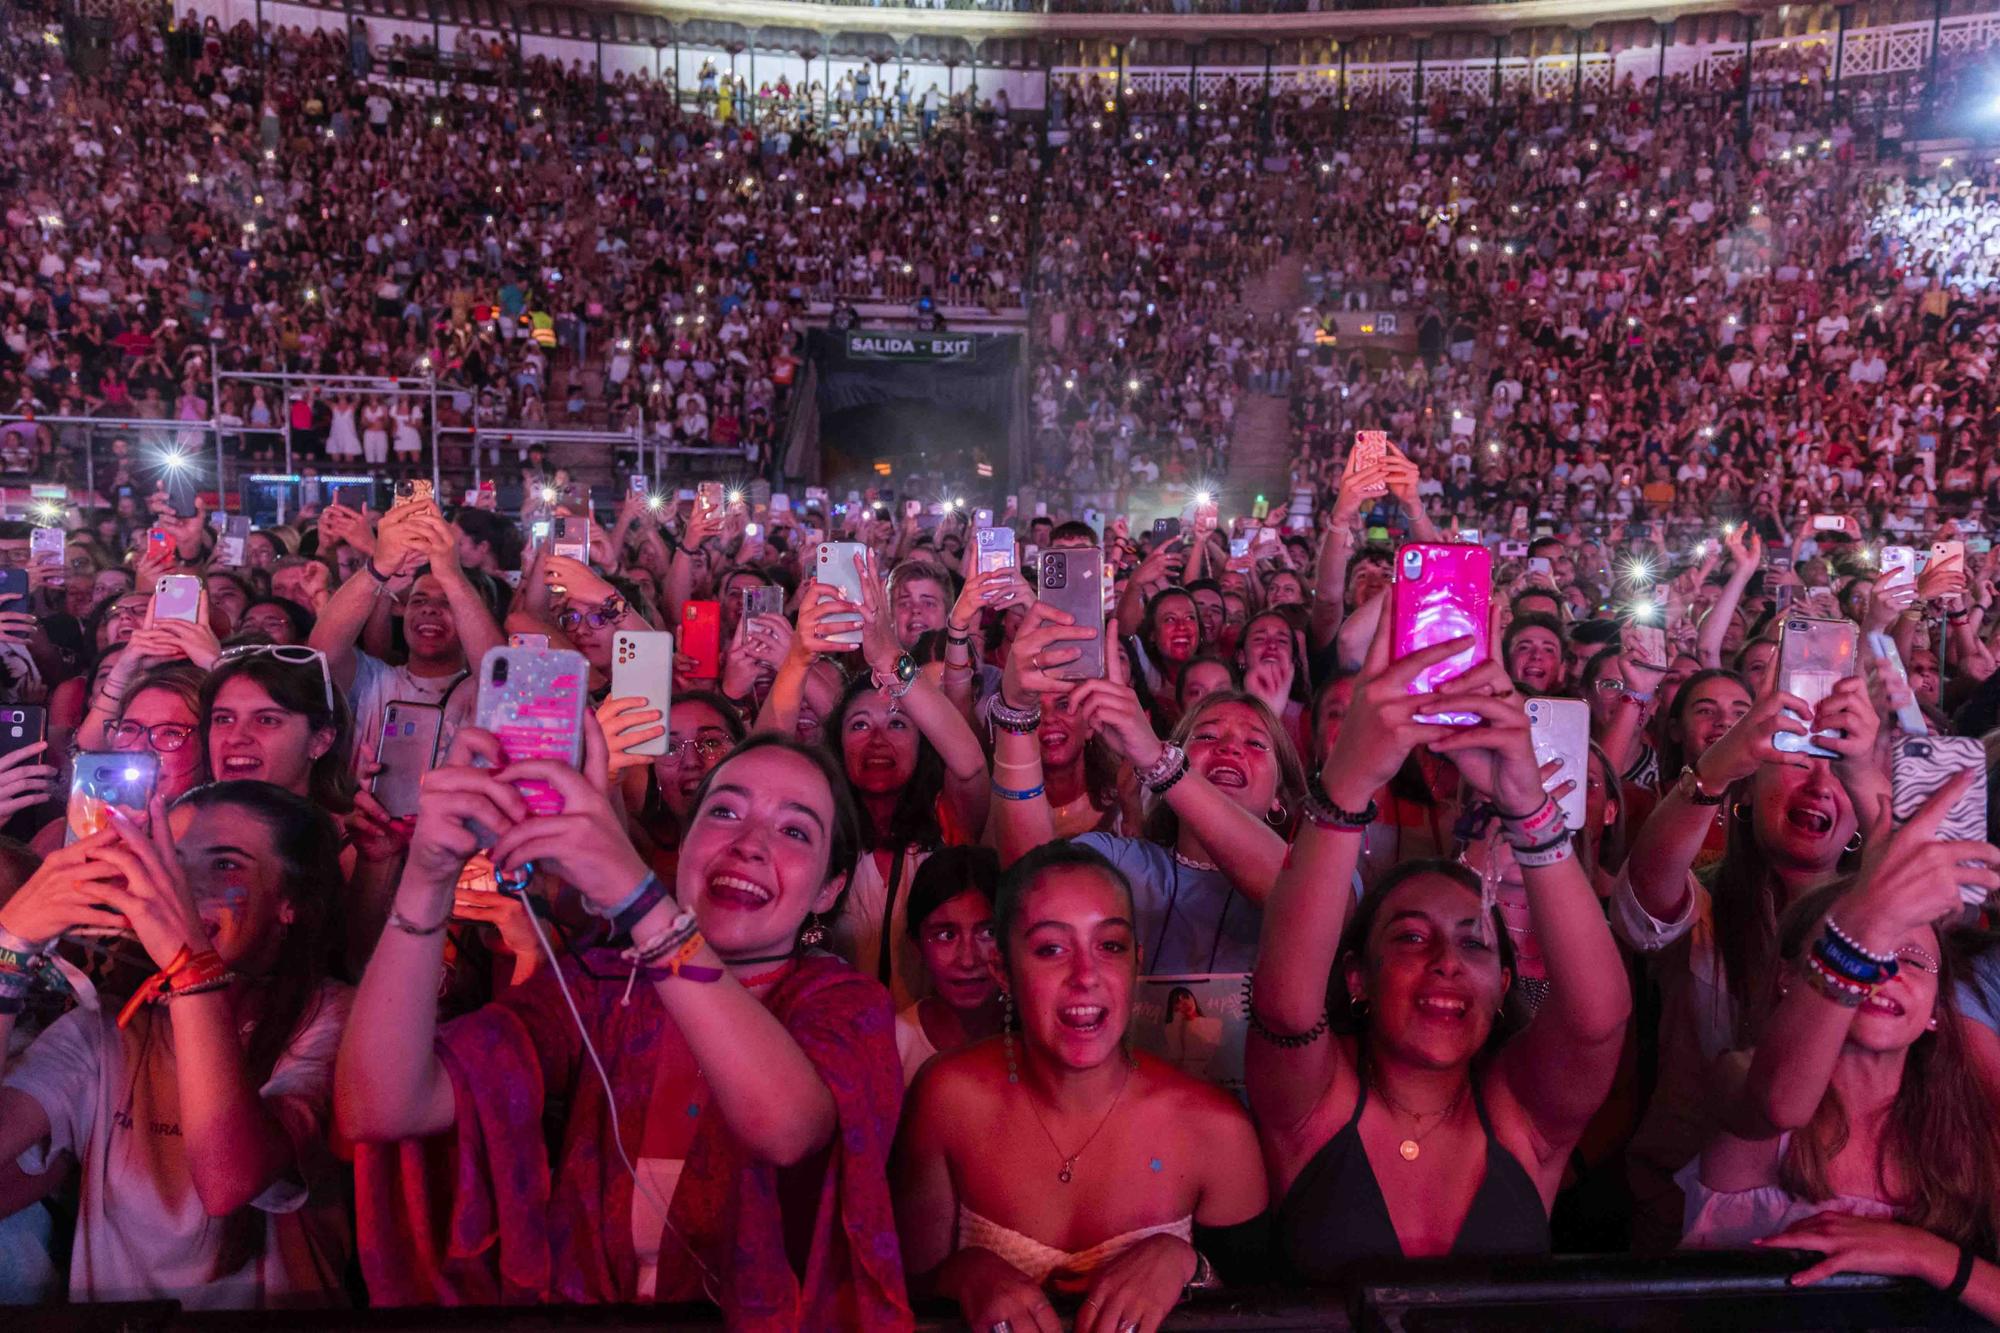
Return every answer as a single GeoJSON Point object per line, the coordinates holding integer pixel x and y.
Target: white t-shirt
{"type": "Point", "coordinates": [141, 1231]}
{"type": "Point", "coordinates": [377, 684]}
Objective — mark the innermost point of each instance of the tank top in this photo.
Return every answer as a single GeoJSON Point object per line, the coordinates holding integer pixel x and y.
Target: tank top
{"type": "Point", "coordinates": [1334, 1215]}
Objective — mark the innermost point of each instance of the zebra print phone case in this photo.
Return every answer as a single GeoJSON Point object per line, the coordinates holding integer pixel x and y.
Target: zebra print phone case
{"type": "Point", "coordinates": [1922, 765]}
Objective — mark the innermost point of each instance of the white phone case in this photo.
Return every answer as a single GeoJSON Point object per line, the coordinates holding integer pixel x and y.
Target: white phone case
{"type": "Point", "coordinates": [835, 569]}
{"type": "Point", "coordinates": [1560, 729]}
{"type": "Point", "coordinates": [642, 667]}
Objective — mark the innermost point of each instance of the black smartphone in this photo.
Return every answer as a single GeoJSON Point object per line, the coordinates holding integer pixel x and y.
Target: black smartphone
{"type": "Point", "coordinates": [21, 725]}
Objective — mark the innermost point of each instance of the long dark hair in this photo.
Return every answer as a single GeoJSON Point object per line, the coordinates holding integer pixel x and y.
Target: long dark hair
{"type": "Point", "coordinates": [1743, 897]}
{"type": "Point", "coordinates": [1937, 1138]}
{"type": "Point", "coordinates": [297, 687]}
{"type": "Point", "coordinates": [914, 821]}
{"type": "Point", "coordinates": [1673, 736]}
{"type": "Point", "coordinates": [308, 846]}
{"type": "Point", "coordinates": [1348, 1019]}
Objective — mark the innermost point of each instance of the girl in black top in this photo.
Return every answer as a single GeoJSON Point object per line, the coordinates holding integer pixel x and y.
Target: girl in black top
{"type": "Point", "coordinates": [1423, 1124]}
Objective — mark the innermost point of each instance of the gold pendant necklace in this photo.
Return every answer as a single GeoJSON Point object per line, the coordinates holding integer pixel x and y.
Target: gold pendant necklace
{"type": "Point", "coordinates": [1069, 1159]}
{"type": "Point", "coordinates": [1412, 1146]}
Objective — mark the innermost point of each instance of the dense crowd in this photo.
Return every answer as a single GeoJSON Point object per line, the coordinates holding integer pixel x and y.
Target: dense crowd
{"type": "Point", "coordinates": [556, 254]}
{"type": "Point", "coordinates": [1052, 918]}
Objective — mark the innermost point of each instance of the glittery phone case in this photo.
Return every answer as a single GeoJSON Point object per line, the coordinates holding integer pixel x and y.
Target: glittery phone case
{"type": "Point", "coordinates": [532, 700]}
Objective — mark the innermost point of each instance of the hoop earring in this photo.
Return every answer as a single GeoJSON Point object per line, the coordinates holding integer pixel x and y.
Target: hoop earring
{"type": "Point", "coordinates": [1740, 811]}
{"type": "Point", "coordinates": [1277, 814]}
{"type": "Point", "coordinates": [1358, 1006]}
{"type": "Point", "coordinates": [1007, 1033]}
{"type": "Point", "coordinates": [814, 933]}
{"type": "Point", "coordinates": [1854, 843]}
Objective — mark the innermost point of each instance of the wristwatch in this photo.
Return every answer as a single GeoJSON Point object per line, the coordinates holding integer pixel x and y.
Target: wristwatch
{"type": "Point", "coordinates": [1689, 789]}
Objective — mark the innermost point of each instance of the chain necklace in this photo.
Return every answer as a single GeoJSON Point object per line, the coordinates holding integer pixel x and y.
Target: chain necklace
{"type": "Point", "coordinates": [1413, 1145]}
{"type": "Point", "coordinates": [1069, 1159]}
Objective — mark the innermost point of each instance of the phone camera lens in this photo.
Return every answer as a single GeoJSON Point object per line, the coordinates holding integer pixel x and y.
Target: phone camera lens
{"type": "Point", "coordinates": [499, 671]}
{"type": "Point", "coordinates": [1413, 563]}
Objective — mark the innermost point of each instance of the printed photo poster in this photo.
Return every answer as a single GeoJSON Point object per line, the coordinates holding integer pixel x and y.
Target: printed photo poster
{"type": "Point", "coordinates": [1197, 1022]}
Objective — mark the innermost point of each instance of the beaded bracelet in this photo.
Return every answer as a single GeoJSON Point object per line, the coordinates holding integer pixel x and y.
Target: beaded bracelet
{"type": "Point", "coordinates": [1164, 772]}
{"type": "Point", "coordinates": [1843, 961]}
{"type": "Point", "coordinates": [677, 933]}
{"type": "Point", "coordinates": [1843, 993]}
{"type": "Point", "coordinates": [1018, 793]}
{"type": "Point", "coordinates": [1833, 928]}
{"type": "Point", "coordinates": [204, 987]}
{"type": "Point", "coordinates": [1321, 813]}
{"type": "Point", "coordinates": [1019, 721]}
{"type": "Point", "coordinates": [1291, 1041]}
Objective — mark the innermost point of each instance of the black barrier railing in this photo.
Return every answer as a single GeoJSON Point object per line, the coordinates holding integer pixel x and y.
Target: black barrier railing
{"type": "Point", "coordinates": [1721, 1290]}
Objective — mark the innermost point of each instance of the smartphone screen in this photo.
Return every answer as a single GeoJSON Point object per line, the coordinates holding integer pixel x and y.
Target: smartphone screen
{"type": "Point", "coordinates": [1442, 593]}
{"type": "Point", "coordinates": [994, 549]}
{"type": "Point", "coordinates": [121, 780]}
{"type": "Point", "coordinates": [766, 599]}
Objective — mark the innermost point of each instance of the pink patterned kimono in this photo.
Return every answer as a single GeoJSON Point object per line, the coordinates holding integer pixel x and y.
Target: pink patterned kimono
{"type": "Point", "coordinates": [481, 1216]}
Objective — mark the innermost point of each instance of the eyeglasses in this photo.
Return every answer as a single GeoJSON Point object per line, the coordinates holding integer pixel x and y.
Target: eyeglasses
{"type": "Point", "coordinates": [610, 612]}
{"type": "Point", "coordinates": [1609, 685]}
{"type": "Point", "coordinates": [291, 654]}
{"type": "Point", "coordinates": [160, 738]}
{"type": "Point", "coordinates": [707, 749]}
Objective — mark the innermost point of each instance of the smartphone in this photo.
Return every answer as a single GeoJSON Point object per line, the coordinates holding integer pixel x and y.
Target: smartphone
{"type": "Point", "coordinates": [1779, 562]}
{"type": "Point", "coordinates": [1919, 766]}
{"type": "Point", "coordinates": [1371, 449]}
{"type": "Point", "coordinates": [1946, 552]}
{"type": "Point", "coordinates": [408, 749]}
{"type": "Point", "coordinates": [229, 547]}
{"type": "Point", "coordinates": [815, 495]}
{"type": "Point", "coordinates": [1910, 717]}
{"type": "Point", "coordinates": [701, 638]}
{"type": "Point", "coordinates": [13, 585]}
{"type": "Point", "coordinates": [571, 536]}
{"type": "Point", "coordinates": [351, 497]}
{"type": "Point", "coordinates": [912, 508]}
{"type": "Point", "coordinates": [1167, 528]}
{"type": "Point", "coordinates": [1513, 550]}
{"type": "Point", "coordinates": [45, 548]}
{"type": "Point", "coordinates": [533, 701]}
{"type": "Point", "coordinates": [527, 641]}
{"type": "Point", "coordinates": [1442, 593]}
{"type": "Point", "coordinates": [1899, 563]}
{"type": "Point", "coordinates": [1560, 729]}
{"type": "Point", "coordinates": [1645, 644]}
{"type": "Point", "coordinates": [642, 667]}
{"type": "Point", "coordinates": [1470, 536]}
{"type": "Point", "coordinates": [413, 492]}
{"type": "Point", "coordinates": [21, 725]}
{"type": "Point", "coordinates": [121, 780]}
{"type": "Point", "coordinates": [486, 493]}
{"type": "Point", "coordinates": [1813, 656]}
{"type": "Point", "coordinates": [835, 569]}
{"type": "Point", "coordinates": [1073, 581]}
{"type": "Point", "coordinates": [1829, 523]}
{"type": "Point", "coordinates": [781, 503]}
{"type": "Point", "coordinates": [177, 597]}
{"type": "Point", "coordinates": [993, 549]}
{"type": "Point", "coordinates": [766, 599]}
{"type": "Point", "coordinates": [709, 493]}
{"type": "Point", "coordinates": [1239, 548]}
{"type": "Point", "coordinates": [982, 518]}
{"type": "Point", "coordinates": [1541, 564]}
{"type": "Point", "coordinates": [639, 484]}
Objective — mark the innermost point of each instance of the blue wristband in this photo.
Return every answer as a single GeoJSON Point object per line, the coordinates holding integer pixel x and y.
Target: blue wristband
{"type": "Point", "coordinates": [1017, 793]}
{"type": "Point", "coordinates": [644, 899]}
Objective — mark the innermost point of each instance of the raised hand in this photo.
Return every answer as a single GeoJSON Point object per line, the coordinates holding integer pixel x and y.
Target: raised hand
{"type": "Point", "coordinates": [1043, 643]}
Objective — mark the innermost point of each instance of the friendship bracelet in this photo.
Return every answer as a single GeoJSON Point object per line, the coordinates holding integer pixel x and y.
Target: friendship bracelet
{"type": "Point", "coordinates": [676, 933]}
{"type": "Point", "coordinates": [1833, 928]}
{"type": "Point", "coordinates": [1843, 993]}
{"type": "Point", "coordinates": [1522, 818]}
{"type": "Point", "coordinates": [1160, 776]}
{"type": "Point", "coordinates": [1017, 793]}
{"type": "Point", "coordinates": [13, 960]}
{"type": "Point", "coordinates": [1843, 962]}
{"type": "Point", "coordinates": [1533, 825]}
{"type": "Point", "coordinates": [1561, 839]}
{"type": "Point", "coordinates": [1019, 721]}
{"type": "Point", "coordinates": [626, 916]}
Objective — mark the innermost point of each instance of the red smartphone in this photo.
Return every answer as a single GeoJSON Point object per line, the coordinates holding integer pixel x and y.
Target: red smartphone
{"type": "Point", "coordinates": [701, 638]}
{"type": "Point", "coordinates": [1442, 593]}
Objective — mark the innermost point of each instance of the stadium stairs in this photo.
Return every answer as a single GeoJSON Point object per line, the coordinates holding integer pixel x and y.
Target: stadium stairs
{"type": "Point", "coordinates": [1260, 446]}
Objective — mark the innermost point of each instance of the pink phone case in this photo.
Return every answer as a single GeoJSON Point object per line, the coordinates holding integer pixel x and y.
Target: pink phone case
{"type": "Point", "coordinates": [1442, 592]}
{"type": "Point", "coordinates": [533, 701]}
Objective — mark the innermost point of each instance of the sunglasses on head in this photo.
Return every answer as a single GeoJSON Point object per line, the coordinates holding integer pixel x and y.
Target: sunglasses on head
{"type": "Point", "coordinates": [291, 654]}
